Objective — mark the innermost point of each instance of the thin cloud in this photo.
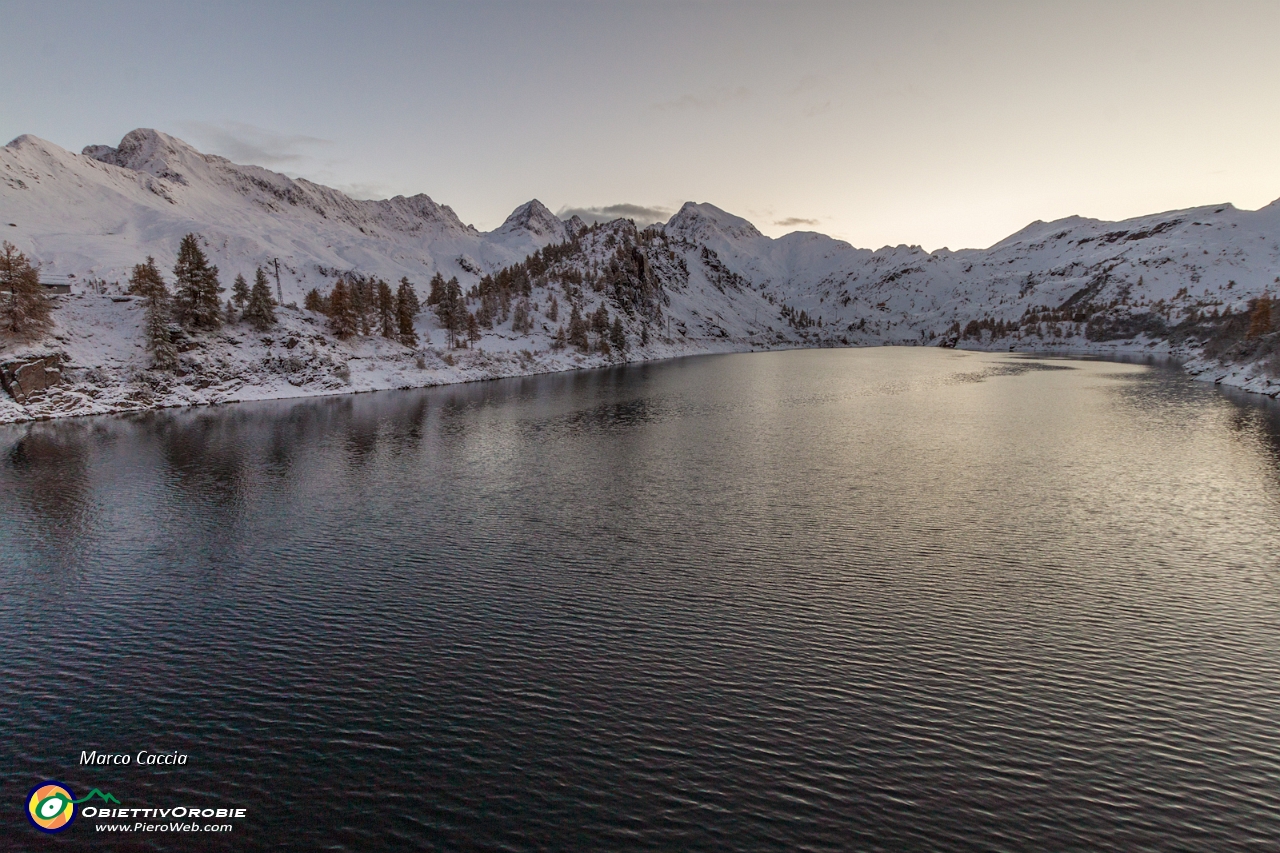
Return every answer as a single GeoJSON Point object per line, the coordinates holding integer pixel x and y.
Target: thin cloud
{"type": "Point", "coordinates": [640, 213]}
{"type": "Point", "coordinates": [251, 145]}
{"type": "Point", "coordinates": [808, 83]}
{"type": "Point", "coordinates": [370, 190]}
{"type": "Point", "coordinates": [793, 221]}
{"type": "Point", "coordinates": [704, 102]}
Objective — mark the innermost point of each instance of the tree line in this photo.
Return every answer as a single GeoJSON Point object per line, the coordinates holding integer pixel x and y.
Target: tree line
{"type": "Point", "coordinates": [195, 304]}
{"type": "Point", "coordinates": [362, 305]}
{"type": "Point", "coordinates": [609, 337]}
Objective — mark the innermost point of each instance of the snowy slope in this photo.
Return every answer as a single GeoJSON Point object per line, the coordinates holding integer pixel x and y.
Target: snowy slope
{"type": "Point", "coordinates": [99, 213]}
{"type": "Point", "coordinates": [1221, 256]}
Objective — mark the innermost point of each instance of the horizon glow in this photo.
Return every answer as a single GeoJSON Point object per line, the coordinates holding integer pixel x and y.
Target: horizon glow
{"type": "Point", "coordinates": [877, 123]}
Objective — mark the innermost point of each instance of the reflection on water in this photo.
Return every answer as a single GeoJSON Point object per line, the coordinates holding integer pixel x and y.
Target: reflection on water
{"type": "Point", "coordinates": [861, 599]}
{"type": "Point", "coordinates": [1256, 422]}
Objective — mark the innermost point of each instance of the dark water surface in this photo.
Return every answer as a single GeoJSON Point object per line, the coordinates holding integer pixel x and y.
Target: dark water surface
{"type": "Point", "coordinates": [892, 599]}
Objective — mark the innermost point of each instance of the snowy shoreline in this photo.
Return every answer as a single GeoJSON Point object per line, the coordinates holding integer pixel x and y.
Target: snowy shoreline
{"type": "Point", "coordinates": [97, 344]}
{"type": "Point", "coordinates": [103, 370]}
{"type": "Point", "coordinates": [1252, 378]}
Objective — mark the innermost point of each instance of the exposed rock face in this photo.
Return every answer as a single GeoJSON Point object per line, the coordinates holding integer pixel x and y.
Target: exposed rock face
{"type": "Point", "coordinates": [33, 375]}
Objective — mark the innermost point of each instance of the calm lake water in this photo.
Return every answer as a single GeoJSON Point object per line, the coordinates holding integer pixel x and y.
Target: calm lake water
{"type": "Point", "coordinates": [883, 599]}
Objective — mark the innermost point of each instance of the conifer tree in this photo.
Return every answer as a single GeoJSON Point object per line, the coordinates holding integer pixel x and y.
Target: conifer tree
{"type": "Point", "coordinates": [600, 326]}
{"type": "Point", "coordinates": [617, 335]}
{"type": "Point", "coordinates": [553, 310]}
{"type": "Point", "coordinates": [453, 292]}
{"type": "Point", "coordinates": [600, 321]}
{"type": "Point", "coordinates": [1260, 319]}
{"type": "Point", "coordinates": [313, 301]}
{"type": "Point", "coordinates": [148, 283]}
{"type": "Point", "coordinates": [444, 313]}
{"type": "Point", "coordinates": [369, 306]}
{"type": "Point", "coordinates": [260, 312]}
{"type": "Point", "coordinates": [407, 308]}
{"type": "Point", "coordinates": [229, 314]}
{"type": "Point", "coordinates": [240, 292]}
{"type": "Point", "coordinates": [450, 310]}
{"type": "Point", "coordinates": [24, 309]}
{"type": "Point", "coordinates": [342, 314]}
{"type": "Point", "coordinates": [199, 306]}
{"type": "Point", "coordinates": [437, 290]}
{"type": "Point", "coordinates": [407, 291]}
{"type": "Point", "coordinates": [387, 321]}
{"type": "Point", "coordinates": [522, 318]}
{"type": "Point", "coordinates": [578, 330]}
{"type": "Point", "coordinates": [146, 279]}
{"type": "Point", "coordinates": [359, 306]}
{"type": "Point", "coordinates": [473, 328]}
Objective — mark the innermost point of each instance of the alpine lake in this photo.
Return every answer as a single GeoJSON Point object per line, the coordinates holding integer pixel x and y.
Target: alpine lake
{"type": "Point", "coordinates": [881, 599]}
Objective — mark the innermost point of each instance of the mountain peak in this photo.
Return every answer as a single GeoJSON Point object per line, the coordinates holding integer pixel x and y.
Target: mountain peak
{"type": "Point", "coordinates": [703, 219]}
{"type": "Point", "coordinates": [147, 150]}
{"type": "Point", "coordinates": [26, 140]}
{"type": "Point", "coordinates": [534, 218]}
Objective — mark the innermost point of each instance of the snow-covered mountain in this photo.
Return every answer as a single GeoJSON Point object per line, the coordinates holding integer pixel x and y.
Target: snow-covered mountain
{"type": "Point", "coordinates": [97, 213]}
{"type": "Point", "coordinates": [1166, 265]}
{"type": "Point", "coordinates": [706, 280]}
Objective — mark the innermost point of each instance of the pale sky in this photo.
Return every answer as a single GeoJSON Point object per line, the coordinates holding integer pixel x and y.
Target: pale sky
{"type": "Point", "coordinates": [933, 123]}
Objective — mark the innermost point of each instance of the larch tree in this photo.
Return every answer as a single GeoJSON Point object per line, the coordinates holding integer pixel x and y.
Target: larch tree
{"type": "Point", "coordinates": [196, 282]}
{"type": "Point", "coordinates": [387, 323]}
{"type": "Point", "coordinates": [1260, 319]}
{"type": "Point", "coordinates": [407, 307]}
{"type": "Point", "coordinates": [260, 312]}
{"type": "Point", "coordinates": [25, 310]}
{"type": "Point", "coordinates": [147, 282]}
{"type": "Point", "coordinates": [343, 321]}
{"type": "Point", "coordinates": [360, 304]}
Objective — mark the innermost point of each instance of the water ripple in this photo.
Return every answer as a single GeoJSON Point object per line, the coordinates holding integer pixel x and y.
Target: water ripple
{"type": "Point", "coordinates": [823, 600]}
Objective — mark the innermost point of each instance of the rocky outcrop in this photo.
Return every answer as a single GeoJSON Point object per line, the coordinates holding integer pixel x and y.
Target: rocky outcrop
{"type": "Point", "coordinates": [26, 377]}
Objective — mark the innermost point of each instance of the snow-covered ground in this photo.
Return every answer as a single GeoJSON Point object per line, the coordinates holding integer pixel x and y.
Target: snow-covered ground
{"type": "Point", "coordinates": [706, 281]}
{"type": "Point", "coordinates": [106, 367]}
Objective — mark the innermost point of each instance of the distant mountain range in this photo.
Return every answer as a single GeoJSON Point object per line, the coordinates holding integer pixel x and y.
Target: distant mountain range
{"type": "Point", "coordinates": [1072, 284]}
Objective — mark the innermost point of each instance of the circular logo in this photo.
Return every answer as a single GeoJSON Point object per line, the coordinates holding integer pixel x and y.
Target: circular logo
{"type": "Point", "coordinates": [51, 806]}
